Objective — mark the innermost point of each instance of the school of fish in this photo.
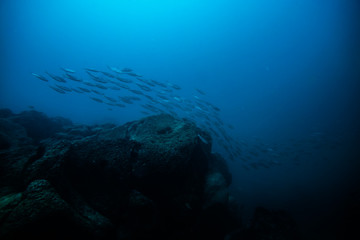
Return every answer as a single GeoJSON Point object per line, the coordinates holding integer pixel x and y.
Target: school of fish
{"type": "Point", "coordinates": [119, 88]}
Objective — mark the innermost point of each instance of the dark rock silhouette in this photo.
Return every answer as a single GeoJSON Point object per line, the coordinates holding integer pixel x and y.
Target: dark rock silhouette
{"type": "Point", "coordinates": [155, 178]}
{"type": "Point", "coordinates": [266, 225]}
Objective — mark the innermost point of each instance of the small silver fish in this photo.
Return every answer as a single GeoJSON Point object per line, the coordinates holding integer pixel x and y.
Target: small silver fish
{"type": "Point", "coordinates": [126, 70]}
{"type": "Point", "coordinates": [91, 70]}
{"type": "Point", "coordinates": [114, 69]}
{"type": "Point", "coordinates": [68, 70]}
{"type": "Point", "coordinates": [71, 77]}
{"type": "Point", "coordinates": [40, 77]}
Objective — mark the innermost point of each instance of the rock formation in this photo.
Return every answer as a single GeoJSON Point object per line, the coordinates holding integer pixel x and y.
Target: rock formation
{"type": "Point", "coordinates": [154, 178]}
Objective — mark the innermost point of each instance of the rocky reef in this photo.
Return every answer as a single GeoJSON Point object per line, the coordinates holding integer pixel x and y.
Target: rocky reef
{"type": "Point", "coordinates": [154, 178]}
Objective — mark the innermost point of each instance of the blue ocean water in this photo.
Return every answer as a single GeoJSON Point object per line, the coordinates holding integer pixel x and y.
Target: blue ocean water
{"type": "Point", "coordinates": [285, 74]}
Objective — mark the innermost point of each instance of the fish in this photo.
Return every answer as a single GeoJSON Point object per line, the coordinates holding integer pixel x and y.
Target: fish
{"type": "Point", "coordinates": [122, 86]}
{"type": "Point", "coordinates": [254, 165]}
{"type": "Point", "coordinates": [42, 78]}
{"type": "Point", "coordinates": [92, 75]}
{"type": "Point", "coordinates": [60, 79]}
{"type": "Point", "coordinates": [167, 90]}
{"type": "Point", "coordinates": [177, 99]}
{"type": "Point", "coordinates": [89, 84]}
{"type": "Point", "coordinates": [108, 74]}
{"type": "Point", "coordinates": [177, 87]}
{"type": "Point", "coordinates": [214, 107]}
{"type": "Point", "coordinates": [97, 99]}
{"type": "Point", "coordinates": [110, 99]}
{"type": "Point", "coordinates": [150, 98]}
{"type": "Point", "coordinates": [158, 83]}
{"type": "Point", "coordinates": [56, 78]}
{"type": "Point", "coordinates": [100, 86]}
{"type": "Point", "coordinates": [126, 100]}
{"type": "Point", "coordinates": [143, 87]}
{"type": "Point", "coordinates": [132, 74]}
{"type": "Point", "coordinates": [203, 139]}
{"type": "Point", "coordinates": [231, 126]}
{"type": "Point", "coordinates": [57, 90]}
{"type": "Point", "coordinates": [125, 80]}
{"type": "Point", "coordinates": [120, 105]}
{"type": "Point", "coordinates": [63, 88]}
{"type": "Point", "coordinates": [84, 89]}
{"type": "Point", "coordinates": [114, 88]}
{"type": "Point", "coordinates": [96, 92]}
{"type": "Point", "coordinates": [163, 97]}
{"type": "Point", "coordinates": [172, 113]}
{"type": "Point", "coordinates": [134, 98]}
{"type": "Point", "coordinates": [68, 70]}
{"type": "Point", "coordinates": [91, 70]}
{"type": "Point", "coordinates": [126, 70]}
{"type": "Point", "coordinates": [100, 80]}
{"type": "Point", "coordinates": [110, 104]}
{"type": "Point", "coordinates": [145, 113]}
{"type": "Point", "coordinates": [200, 91]}
{"type": "Point", "coordinates": [214, 132]}
{"type": "Point", "coordinates": [76, 90]}
{"type": "Point", "coordinates": [165, 103]}
{"type": "Point", "coordinates": [145, 81]}
{"type": "Point", "coordinates": [199, 108]}
{"type": "Point", "coordinates": [246, 167]}
{"type": "Point", "coordinates": [151, 108]}
{"type": "Point", "coordinates": [114, 69]}
{"type": "Point", "coordinates": [136, 91]}
{"type": "Point", "coordinates": [71, 77]}
{"type": "Point", "coordinates": [176, 105]}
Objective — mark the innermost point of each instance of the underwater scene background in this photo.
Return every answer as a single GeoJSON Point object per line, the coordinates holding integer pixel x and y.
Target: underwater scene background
{"type": "Point", "coordinates": [274, 83]}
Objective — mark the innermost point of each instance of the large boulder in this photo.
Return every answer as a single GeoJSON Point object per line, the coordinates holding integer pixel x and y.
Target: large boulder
{"type": "Point", "coordinates": [155, 177]}
{"type": "Point", "coordinates": [161, 158]}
